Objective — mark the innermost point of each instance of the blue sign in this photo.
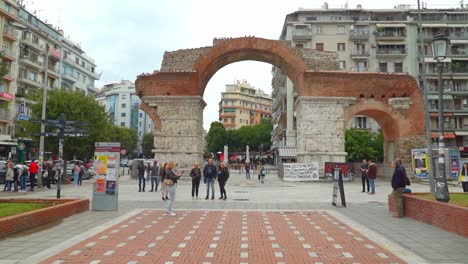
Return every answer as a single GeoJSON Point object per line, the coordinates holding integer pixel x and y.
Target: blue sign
{"type": "Point", "coordinates": [23, 118]}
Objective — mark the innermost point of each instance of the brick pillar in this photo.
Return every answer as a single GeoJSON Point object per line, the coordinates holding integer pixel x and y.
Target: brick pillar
{"type": "Point", "coordinates": [321, 129]}
{"type": "Point", "coordinates": [180, 137]}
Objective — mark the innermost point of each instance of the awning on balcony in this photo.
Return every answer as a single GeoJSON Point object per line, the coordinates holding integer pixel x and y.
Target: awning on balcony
{"type": "Point", "coordinates": [461, 133]}
{"type": "Point", "coordinates": [446, 135]}
{"type": "Point", "coordinates": [391, 25]}
{"type": "Point", "coordinates": [286, 152]}
{"type": "Point", "coordinates": [436, 97]}
{"type": "Point", "coordinates": [435, 25]}
{"type": "Point", "coordinates": [391, 42]}
{"type": "Point", "coordinates": [459, 41]}
{"type": "Point", "coordinates": [461, 58]}
{"type": "Point", "coordinates": [457, 25]}
{"type": "Point", "coordinates": [432, 60]}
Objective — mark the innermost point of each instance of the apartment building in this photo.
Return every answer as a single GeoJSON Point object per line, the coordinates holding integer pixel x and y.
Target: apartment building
{"type": "Point", "coordinates": [382, 40]}
{"type": "Point", "coordinates": [243, 105]}
{"type": "Point", "coordinates": [8, 15]}
{"type": "Point", "coordinates": [123, 106]}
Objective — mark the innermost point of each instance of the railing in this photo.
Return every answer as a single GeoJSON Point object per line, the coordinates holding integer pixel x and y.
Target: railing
{"type": "Point", "coordinates": [7, 30]}
{"type": "Point", "coordinates": [390, 34]}
{"type": "Point", "coordinates": [70, 75]}
{"type": "Point", "coordinates": [302, 34]}
{"type": "Point", "coordinates": [384, 51]}
{"type": "Point", "coordinates": [359, 34]}
{"type": "Point", "coordinates": [53, 68]}
{"type": "Point", "coordinates": [32, 59]}
{"type": "Point", "coordinates": [5, 115]}
{"type": "Point", "coordinates": [9, 53]}
{"type": "Point", "coordinates": [8, 9]}
{"type": "Point", "coordinates": [360, 53]}
{"type": "Point", "coordinates": [33, 44]}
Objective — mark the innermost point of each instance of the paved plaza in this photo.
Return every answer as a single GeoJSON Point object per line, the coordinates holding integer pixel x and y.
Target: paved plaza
{"type": "Point", "coordinates": [275, 222]}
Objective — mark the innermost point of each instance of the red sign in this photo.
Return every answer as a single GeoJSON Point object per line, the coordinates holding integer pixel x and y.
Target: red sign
{"type": "Point", "coordinates": [55, 53]}
{"type": "Point", "coordinates": [7, 96]}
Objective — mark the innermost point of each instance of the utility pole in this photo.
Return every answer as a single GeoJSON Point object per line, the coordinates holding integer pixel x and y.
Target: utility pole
{"type": "Point", "coordinates": [43, 115]}
{"type": "Point", "coordinates": [425, 89]}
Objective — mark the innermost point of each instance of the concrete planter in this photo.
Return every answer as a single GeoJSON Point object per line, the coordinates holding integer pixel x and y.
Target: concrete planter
{"type": "Point", "coordinates": [16, 223]}
{"type": "Point", "coordinates": [451, 218]}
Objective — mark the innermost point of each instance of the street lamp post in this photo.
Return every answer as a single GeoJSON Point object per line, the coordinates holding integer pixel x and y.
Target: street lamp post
{"type": "Point", "coordinates": [43, 115]}
{"type": "Point", "coordinates": [439, 49]}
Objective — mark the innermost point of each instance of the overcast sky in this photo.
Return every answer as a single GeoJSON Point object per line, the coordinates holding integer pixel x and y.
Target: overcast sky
{"type": "Point", "coordinates": [129, 37]}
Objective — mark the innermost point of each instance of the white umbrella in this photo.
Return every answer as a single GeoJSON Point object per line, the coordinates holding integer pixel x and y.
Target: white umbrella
{"type": "Point", "coordinates": [247, 156]}
{"type": "Point", "coordinates": [226, 158]}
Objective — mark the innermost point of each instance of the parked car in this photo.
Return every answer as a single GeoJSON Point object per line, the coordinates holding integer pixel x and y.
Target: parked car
{"type": "Point", "coordinates": [123, 162]}
{"type": "Point", "coordinates": [71, 163]}
{"type": "Point", "coordinates": [129, 163]}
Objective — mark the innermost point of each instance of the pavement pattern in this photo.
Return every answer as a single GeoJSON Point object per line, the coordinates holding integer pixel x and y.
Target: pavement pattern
{"type": "Point", "coordinates": [228, 237]}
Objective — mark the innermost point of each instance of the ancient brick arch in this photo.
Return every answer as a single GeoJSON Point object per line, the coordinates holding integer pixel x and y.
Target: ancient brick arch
{"type": "Point", "coordinates": [327, 99]}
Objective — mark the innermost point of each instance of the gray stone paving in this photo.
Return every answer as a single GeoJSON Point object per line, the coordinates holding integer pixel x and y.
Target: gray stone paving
{"type": "Point", "coordinates": [432, 244]}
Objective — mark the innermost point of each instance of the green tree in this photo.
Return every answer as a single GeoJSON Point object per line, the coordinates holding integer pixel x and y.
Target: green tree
{"type": "Point", "coordinates": [216, 137]}
{"type": "Point", "coordinates": [76, 107]}
{"type": "Point", "coordinates": [148, 144]}
{"type": "Point", "coordinates": [128, 138]}
{"type": "Point", "coordinates": [363, 144]}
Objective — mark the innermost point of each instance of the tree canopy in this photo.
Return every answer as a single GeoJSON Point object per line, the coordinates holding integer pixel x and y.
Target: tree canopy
{"type": "Point", "coordinates": [363, 144]}
{"type": "Point", "coordinates": [254, 136]}
{"type": "Point", "coordinates": [77, 107]}
{"type": "Point", "coordinates": [148, 144]}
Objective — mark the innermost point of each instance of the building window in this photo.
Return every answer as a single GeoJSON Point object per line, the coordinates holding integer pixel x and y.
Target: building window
{"type": "Point", "coordinates": [311, 18]}
{"type": "Point", "coordinates": [342, 64]}
{"type": "Point", "coordinates": [141, 115]}
{"type": "Point", "coordinates": [398, 66]}
{"type": "Point", "coordinates": [341, 29]}
{"type": "Point", "coordinates": [299, 45]}
{"type": "Point", "coordinates": [123, 114]}
{"type": "Point", "coordinates": [382, 66]}
{"type": "Point", "coordinates": [361, 122]}
{"type": "Point", "coordinates": [362, 66]}
{"type": "Point", "coordinates": [124, 96]}
{"type": "Point", "coordinates": [319, 46]}
{"type": "Point", "coordinates": [124, 105]}
{"type": "Point", "coordinates": [122, 124]}
{"type": "Point", "coordinates": [340, 47]}
{"type": "Point", "coordinates": [318, 30]}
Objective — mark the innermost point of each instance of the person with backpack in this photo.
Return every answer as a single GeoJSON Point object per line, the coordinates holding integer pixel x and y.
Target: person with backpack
{"type": "Point", "coordinates": [223, 176]}
{"type": "Point", "coordinates": [23, 176]}
{"type": "Point", "coordinates": [261, 172]}
{"type": "Point", "coordinates": [162, 174]}
{"type": "Point", "coordinates": [154, 172]}
{"type": "Point", "coordinates": [399, 182]}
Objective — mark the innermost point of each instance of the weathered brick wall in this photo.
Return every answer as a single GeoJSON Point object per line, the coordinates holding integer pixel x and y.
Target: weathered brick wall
{"type": "Point", "coordinates": [442, 215]}
{"type": "Point", "coordinates": [182, 60]}
{"type": "Point", "coordinates": [16, 223]}
{"type": "Point", "coordinates": [319, 60]}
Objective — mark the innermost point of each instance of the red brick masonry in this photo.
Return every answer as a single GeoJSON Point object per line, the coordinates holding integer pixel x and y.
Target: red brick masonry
{"type": "Point", "coordinates": [228, 237]}
{"type": "Point", "coordinates": [16, 223]}
{"type": "Point", "coordinates": [449, 217]}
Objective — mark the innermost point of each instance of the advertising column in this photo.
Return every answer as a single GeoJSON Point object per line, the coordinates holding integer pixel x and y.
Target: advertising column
{"type": "Point", "coordinates": [105, 189]}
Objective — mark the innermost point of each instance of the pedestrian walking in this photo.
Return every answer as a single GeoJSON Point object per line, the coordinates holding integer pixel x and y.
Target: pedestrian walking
{"type": "Point", "coordinates": [223, 176]}
{"type": "Point", "coordinates": [48, 174]}
{"type": "Point", "coordinates": [195, 173]}
{"type": "Point", "coordinates": [16, 171]}
{"type": "Point", "coordinates": [247, 170]}
{"type": "Point", "coordinates": [23, 176]}
{"type": "Point", "coordinates": [261, 172]}
{"type": "Point", "coordinates": [372, 175]}
{"type": "Point", "coordinates": [463, 179]}
{"type": "Point", "coordinates": [364, 179]}
{"type": "Point", "coordinates": [171, 183]}
{"type": "Point", "coordinates": [9, 176]}
{"type": "Point", "coordinates": [162, 173]}
{"type": "Point", "coordinates": [33, 168]}
{"type": "Point", "coordinates": [81, 174]}
{"type": "Point", "coordinates": [399, 182]}
{"type": "Point", "coordinates": [155, 179]}
{"type": "Point", "coordinates": [209, 175]}
{"type": "Point", "coordinates": [141, 176]}
{"type": "Point", "coordinates": [76, 173]}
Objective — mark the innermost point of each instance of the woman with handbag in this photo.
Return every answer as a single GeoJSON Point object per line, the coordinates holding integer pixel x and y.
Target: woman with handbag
{"type": "Point", "coordinates": [223, 176]}
{"type": "Point", "coordinates": [171, 183]}
{"type": "Point", "coordinates": [9, 177]}
{"type": "Point", "coordinates": [195, 173]}
{"type": "Point", "coordinates": [162, 173]}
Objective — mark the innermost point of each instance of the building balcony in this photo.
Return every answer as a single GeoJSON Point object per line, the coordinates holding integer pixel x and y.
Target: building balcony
{"type": "Point", "coordinates": [91, 73]}
{"type": "Point", "coordinates": [69, 76]}
{"type": "Point", "coordinates": [8, 11]}
{"type": "Point", "coordinates": [10, 33]}
{"type": "Point", "coordinates": [6, 116]}
{"type": "Point", "coordinates": [9, 55]}
{"type": "Point", "coordinates": [390, 35]}
{"type": "Point", "coordinates": [31, 61]}
{"type": "Point", "coordinates": [9, 77]}
{"type": "Point", "coordinates": [54, 54]}
{"type": "Point", "coordinates": [359, 35]}
{"type": "Point", "coordinates": [278, 132]}
{"type": "Point", "coordinates": [229, 125]}
{"type": "Point", "coordinates": [302, 34]}
{"type": "Point", "coordinates": [386, 53]}
{"type": "Point", "coordinates": [28, 41]}
{"type": "Point", "coordinates": [25, 80]}
{"type": "Point", "coordinates": [227, 115]}
{"type": "Point", "coordinates": [360, 54]}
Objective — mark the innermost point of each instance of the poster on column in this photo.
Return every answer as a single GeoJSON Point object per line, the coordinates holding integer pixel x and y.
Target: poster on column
{"type": "Point", "coordinates": [301, 171]}
{"type": "Point", "coordinates": [420, 162]}
{"type": "Point", "coordinates": [454, 163]}
{"type": "Point", "coordinates": [105, 189]}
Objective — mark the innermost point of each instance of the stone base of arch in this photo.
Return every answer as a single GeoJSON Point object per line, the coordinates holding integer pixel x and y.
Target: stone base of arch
{"type": "Point", "coordinates": [181, 136]}
{"type": "Point", "coordinates": [321, 129]}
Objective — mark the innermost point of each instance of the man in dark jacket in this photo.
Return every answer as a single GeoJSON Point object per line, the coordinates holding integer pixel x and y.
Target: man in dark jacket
{"type": "Point", "coordinates": [364, 179]}
{"type": "Point", "coordinates": [141, 175]}
{"type": "Point", "coordinates": [210, 173]}
{"type": "Point", "coordinates": [372, 175]}
{"type": "Point", "coordinates": [399, 182]}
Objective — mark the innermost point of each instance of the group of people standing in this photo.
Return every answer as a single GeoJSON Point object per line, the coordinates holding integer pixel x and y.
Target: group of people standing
{"type": "Point", "coordinates": [260, 168]}
{"type": "Point", "coordinates": [210, 174]}
{"type": "Point", "coordinates": [16, 176]}
{"type": "Point", "coordinates": [368, 176]}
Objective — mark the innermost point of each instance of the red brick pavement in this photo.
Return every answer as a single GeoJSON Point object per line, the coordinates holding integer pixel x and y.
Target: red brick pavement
{"type": "Point", "coordinates": [228, 237]}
